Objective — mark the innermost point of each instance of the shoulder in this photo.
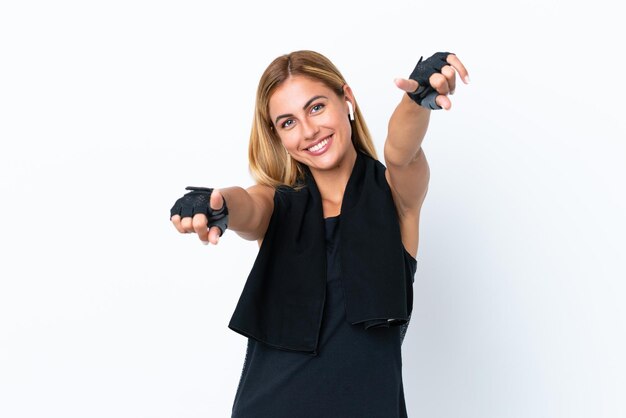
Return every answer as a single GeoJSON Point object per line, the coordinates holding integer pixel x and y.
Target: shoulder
{"type": "Point", "coordinates": [278, 203]}
{"type": "Point", "coordinates": [263, 200]}
{"type": "Point", "coordinates": [376, 170]}
{"type": "Point", "coordinates": [261, 191]}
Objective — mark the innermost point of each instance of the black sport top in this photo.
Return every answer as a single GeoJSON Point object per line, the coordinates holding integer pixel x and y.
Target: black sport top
{"type": "Point", "coordinates": [357, 373]}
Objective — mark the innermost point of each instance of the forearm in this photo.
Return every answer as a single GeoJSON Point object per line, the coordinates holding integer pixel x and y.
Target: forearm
{"type": "Point", "coordinates": [407, 127]}
{"type": "Point", "coordinates": [248, 211]}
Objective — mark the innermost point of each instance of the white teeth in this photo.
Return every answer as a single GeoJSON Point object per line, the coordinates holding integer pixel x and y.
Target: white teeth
{"type": "Point", "coordinates": [319, 146]}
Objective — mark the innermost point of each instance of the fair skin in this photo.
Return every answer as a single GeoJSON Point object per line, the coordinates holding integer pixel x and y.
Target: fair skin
{"type": "Point", "coordinates": [307, 115]}
{"type": "Point", "coordinates": [312, 123]}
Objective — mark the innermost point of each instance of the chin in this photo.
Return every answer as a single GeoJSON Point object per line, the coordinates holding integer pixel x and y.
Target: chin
{"type": "Point", "coordinates": [328, 162]}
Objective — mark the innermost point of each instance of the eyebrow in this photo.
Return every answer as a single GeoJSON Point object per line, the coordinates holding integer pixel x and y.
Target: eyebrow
{"type": "Point", "coordinates": [307, 104]}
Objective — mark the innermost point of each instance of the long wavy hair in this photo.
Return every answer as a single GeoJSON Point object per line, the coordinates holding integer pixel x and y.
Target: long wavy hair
{"type": "Point", "coordinates": [270, 164]}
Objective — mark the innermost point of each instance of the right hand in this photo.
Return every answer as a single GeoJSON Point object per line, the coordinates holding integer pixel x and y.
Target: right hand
{"type": "Point", "coordinates": [198, 223]}
{"type": "Point", "coordinates": [433, 79]}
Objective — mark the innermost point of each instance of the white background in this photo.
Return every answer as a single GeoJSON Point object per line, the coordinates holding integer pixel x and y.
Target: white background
{"type": "Point", "coordinates": [109, 109]}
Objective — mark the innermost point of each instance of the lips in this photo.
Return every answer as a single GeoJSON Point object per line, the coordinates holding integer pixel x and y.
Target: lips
{"type": "Point", "coordinates": [320, 146]}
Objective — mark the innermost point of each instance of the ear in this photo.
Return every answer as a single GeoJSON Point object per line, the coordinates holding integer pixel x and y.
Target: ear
{"type": "Point", "coordinates": [349, 98]}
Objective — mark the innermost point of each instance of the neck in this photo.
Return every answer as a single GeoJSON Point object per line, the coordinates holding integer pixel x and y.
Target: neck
{"type": "Point", "coordinates": [332, 183]}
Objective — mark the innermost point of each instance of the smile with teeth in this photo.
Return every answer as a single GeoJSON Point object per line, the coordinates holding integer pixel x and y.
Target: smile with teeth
{"type": "Point", "coordinates": [318, 146]}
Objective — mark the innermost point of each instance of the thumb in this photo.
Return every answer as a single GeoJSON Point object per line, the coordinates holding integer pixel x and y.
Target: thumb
{"type": "Point", "coordinates": [217, 201]}
{"type": "Point", "coordinates": [407, 85]}
{"type": "Point", "coordinates": [443, 101]}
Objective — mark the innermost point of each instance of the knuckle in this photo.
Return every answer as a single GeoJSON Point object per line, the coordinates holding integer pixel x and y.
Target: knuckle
{"type": "Point", "coordinates": [199, 222]}
{"type": "Point", "coordinates": [438, 81]}
{"type": "Point", "coordinates": [448, 71]}
{"type": "Point", "coordinates": [185, 223]}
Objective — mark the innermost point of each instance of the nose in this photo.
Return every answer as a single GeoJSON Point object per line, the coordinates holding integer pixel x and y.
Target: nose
{"type": "Point", "coordinates": [309, 129]}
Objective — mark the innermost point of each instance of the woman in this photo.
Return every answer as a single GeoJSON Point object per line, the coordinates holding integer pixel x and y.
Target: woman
{"type": "Point", "coordinates": [329, 296]}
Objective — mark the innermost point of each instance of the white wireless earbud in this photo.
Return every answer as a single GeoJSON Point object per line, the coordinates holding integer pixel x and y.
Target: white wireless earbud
{"type": "Point", "coordinates": [351, 112]}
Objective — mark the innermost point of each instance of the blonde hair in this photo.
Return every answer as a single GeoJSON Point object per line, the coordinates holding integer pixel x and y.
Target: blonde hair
{"type": "Point", "coordinates": [270, 164]}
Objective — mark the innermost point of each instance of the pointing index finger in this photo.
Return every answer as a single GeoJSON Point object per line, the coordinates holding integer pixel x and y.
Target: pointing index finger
{"type": "Point", "coordinates": [455, 62]}
{"type": "Point", "coordinates": [407, 85]}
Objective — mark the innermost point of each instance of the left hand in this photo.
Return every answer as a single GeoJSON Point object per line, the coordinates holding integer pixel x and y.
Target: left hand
{"type": "Point", "coordinates": [438, 77]}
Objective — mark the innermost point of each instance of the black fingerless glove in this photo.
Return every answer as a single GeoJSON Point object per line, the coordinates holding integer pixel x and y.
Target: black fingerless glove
{"type": "Point", "coordinates": [198, 201]}
{"type": "Point", "coordinates": [425, 94]}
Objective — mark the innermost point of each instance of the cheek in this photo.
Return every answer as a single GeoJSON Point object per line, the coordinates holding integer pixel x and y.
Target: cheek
{"type": "Point", "coordinates": [343, 126]}
{"type": "Point", "coordinates": [289, 141]}
{"type": "Point", "coordinates": [339, 120]}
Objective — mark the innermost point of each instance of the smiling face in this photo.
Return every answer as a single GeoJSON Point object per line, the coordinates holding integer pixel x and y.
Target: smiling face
{"type": "Point", "coordinates": [312, 122]}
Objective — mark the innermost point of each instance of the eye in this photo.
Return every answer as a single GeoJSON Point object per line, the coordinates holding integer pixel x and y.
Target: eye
{"type": "Point", "coordinates": [317, 107]}
{"type": "Point", "coordinates": [287, 123]}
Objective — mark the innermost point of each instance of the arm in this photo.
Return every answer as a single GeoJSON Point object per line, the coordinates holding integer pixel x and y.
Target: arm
{"type": "Point", "coordinates": [407, 169]}
{"type": "Point", "coordinates": [408, 173]}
